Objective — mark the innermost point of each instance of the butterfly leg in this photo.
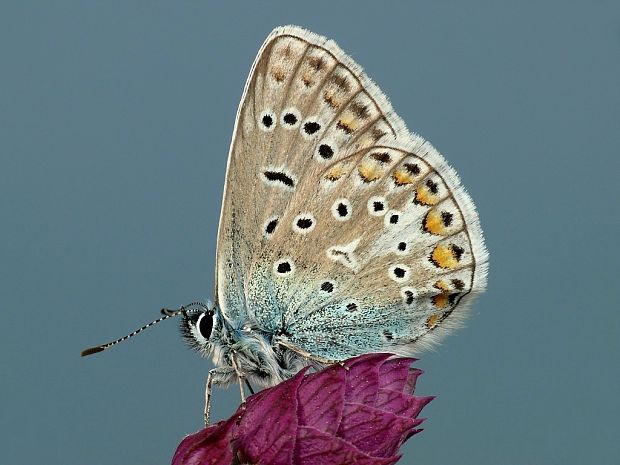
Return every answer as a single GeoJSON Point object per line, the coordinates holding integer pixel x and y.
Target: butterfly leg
{"type": "Point", "coordinates": [218, 375]}
{"type": "Point", "coordinates": [240, 377]}
{"type": "Point", "coordinates": [208, 389]}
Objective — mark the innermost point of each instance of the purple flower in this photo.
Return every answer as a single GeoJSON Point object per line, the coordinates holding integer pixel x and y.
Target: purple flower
{"type": "Point", "coordinates": [358, 413]}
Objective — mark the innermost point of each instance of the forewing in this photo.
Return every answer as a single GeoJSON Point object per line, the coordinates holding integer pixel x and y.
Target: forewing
{"type": "Point", "coordinates": [340, 231]}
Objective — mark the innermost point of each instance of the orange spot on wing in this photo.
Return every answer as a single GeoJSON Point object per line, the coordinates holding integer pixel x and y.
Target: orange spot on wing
{"type": "Point", "coordinates": [278, 73]}
{"type": "Point", "coordinates": [369, 171]}
{"type": "Point", "coordinates": [431, 321]}
{"type": "Point", "coordinates": [402, 178]}
{"type": "Point", "coordinates": [433, 223]}
{"type": "Point", "coordinates": [348, 124]}
{"type": "Point", "coordinates": [330, 98]}
{"type": "Point", "coordinates": [335, 173]}
{"type": "Point", "coordinates": [443, 256]}
{"type": "Point", "coordinates": [440, 300]}
{"type": "Point", "coordinates": [424, 196]}
{"type": "Point", "coordinates": [441, 285]}
{"type": "Point", "coordinates": [307, 80]}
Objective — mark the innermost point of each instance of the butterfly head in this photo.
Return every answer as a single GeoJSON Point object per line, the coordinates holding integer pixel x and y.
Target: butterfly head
{"type": "Point", "coordinates": [200, 326]}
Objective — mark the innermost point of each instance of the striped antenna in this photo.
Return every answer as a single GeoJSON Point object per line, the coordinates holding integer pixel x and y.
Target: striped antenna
{"type": "Point", "coordinates": [166, 314]}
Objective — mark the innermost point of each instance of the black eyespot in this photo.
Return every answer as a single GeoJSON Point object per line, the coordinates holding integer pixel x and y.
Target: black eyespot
{"type": "Point", "coordinates": [284, 267]}
{"type": "Point", "coordinates": [342, 210]}
{"type": "Point", "coordinates": [408, 297]}
{"type": "Point", "coordinates": [267, 121]}
{"type": "Point", "coordinates": [277, 176]}
{"type": "Point", "coordinates": [327, 287]}
{"type": "Point", "coordinates": [377, 206]}
{"type": "Point", "coordinates": [290, 118]}
{"type": "Point", "coordinates": [457, 251]}
{"type": "Point", "coordinates": [304, 223]}
{"type": "Point", "coordinates": [311, 127]}
{"type": "Point", "coordinates": [446, 218]}
{"type": "Point", "coordinates": [402, 246]}
{"type": "Point", "coordinates": [432, 186]}
{"type": "Point", "coordinates": [326, 151]}
{"type": "Point", "coordinates": [381, 157]}
{"type": "Point", "coordinates": [388, 334]}
{"type": "Point", "coordinates": [341, 82]}
{"type": "Point", "coordinates": [412, 168]}
{"type": "Point", "coordinates": [205, 325]}
{"type": "Point", "coordinates": [393, 219]}
{"type": "Point", "coordinates": [352, 306]}
{"type": "Point", "coordinates": [271, 226]}
{"type": "Point", "coordinates": [399, 272]}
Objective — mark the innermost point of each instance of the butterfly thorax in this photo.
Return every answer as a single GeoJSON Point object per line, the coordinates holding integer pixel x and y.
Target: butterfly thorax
{"type": "Point", "coordinates": [258, 356]}
{"type": "Point", "coordinates": [241, 347]}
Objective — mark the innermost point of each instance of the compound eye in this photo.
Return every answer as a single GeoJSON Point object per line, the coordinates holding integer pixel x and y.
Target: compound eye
{"type": "Point", "coordinates": [205, 325]}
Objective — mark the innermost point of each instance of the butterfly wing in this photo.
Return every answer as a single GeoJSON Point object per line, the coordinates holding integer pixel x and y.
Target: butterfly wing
{"type": "Point", "coordinates": [341, 232]}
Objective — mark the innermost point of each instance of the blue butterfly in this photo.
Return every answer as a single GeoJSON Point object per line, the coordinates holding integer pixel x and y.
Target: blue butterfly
{"type": "Point", "coordinates": [341, 233]}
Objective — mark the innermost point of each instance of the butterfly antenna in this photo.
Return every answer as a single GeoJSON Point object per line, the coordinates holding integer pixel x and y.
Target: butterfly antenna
{"type": "Point", "coordinates": [166, 314]}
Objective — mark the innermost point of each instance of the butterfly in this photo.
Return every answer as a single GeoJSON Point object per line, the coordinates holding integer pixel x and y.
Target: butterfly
{"type": "Point", "coordinates": [341, 232]}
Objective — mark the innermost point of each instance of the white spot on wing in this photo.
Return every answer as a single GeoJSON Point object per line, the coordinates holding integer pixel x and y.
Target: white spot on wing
{"type": "Point", "coordinates": [290, 111]}
{"type": "Point", "coordinates": [308, 127]}
{"type": "Point", "coordinates": [300, 223]}
{"type": "Point", "coordinates": [325, 151]}
{"type": "Point", "coordinates": [339, 206]}
{"type": "Point", "coordinates": [267, 224]}
{"type": "Point", "coordinates": [345, 254]}
{"type": "Point", "coordinates": [373, 205]}
{"type": "Point", "coordinates": [409, 295]}
{"type": "Point", "coordinates": [392, 219]}
{"type": "Point", "coordinates": [284, 267]}
{"type": "Point", "coordinates": [263, 118]}
{"type": "Point", "coordinates": [350, 305]}
{"type": "Point", "coordinates": [399, 273]}
{"type": "Point", "coordinates": [401, 248]}
{"type": "Point", "coordinates": [283, 182]}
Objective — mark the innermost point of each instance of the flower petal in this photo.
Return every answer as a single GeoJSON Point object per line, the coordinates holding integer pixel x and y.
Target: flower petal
{"type": "Point", "coordinates": [363, 378]}
{"type": "Point", "coordinates": [208, 446]}
{"type": "Point", "coordinates": [359, 412]}
{"type": "Point", "coordinates": [400, 404]}
{"type": "Point", "coordinates": [320, 399]}
{"type": "Point", "coordinates": [268, 428]}
{"type": "Point", "coordinates": [374, 431]}
{"type": "Point", "coordinates": [315, 447]}
{"type": "Point", "coordinates": [397, 374]}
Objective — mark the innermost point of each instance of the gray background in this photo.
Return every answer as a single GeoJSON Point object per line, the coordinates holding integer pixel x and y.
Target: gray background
{"type": "Point", "coordinates": [115, 120]}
